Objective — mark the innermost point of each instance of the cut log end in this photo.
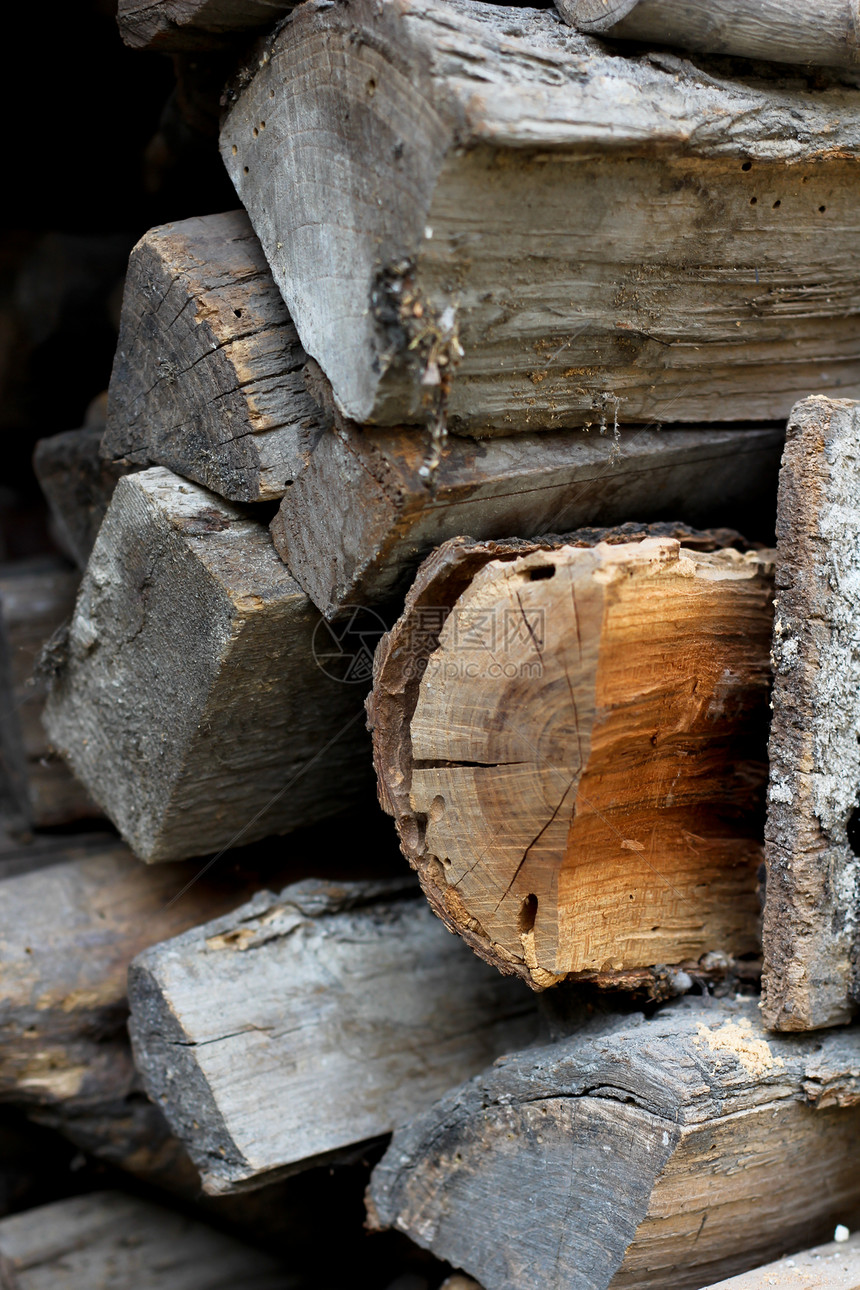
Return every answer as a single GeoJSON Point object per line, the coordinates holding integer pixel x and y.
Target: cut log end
{"type": "Point", "coordinates": [572, 742]}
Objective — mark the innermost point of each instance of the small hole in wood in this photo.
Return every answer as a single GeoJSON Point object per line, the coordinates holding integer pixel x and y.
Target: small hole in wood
{"type": "Point", "coordinates": [238, 313]}
{"type": "Point", "coordinates": [853, 830]}
{"type": "Point", "coordinates": [822, 209]}
{"type": "Point", "coordinates": [255, 132]}
{"type": "Point", "coordinates": [235, 149]}
{"type": "Point", "coordinates": [747, 165]}
{"type": "Point", "coordinates": [371, 87]}
{"type": "Point", "coordinates": [777, 204]}
{"type": "Point", "coordinates": [753, 201]}
{"type": "Point", "coordinates": [528, 914]}
{"type": "Point", "coordinates": [541, 571]}
{"type": "Point", "coordinates": [245, 170]}
{"type": "Point", "coordinates": [262, 125]}
{"type": "Point", "coordinates": [271, 94]}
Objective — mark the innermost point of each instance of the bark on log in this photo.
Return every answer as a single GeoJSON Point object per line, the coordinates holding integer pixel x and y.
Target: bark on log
{"type": "Point", "coordinates": [207, 378]}
{"type": "Point", "coordinates": [108, 1239]}
{"type": "Point", "coordinates": [811, 933]}
{"type": "Point", "coordinates": [824, 33]}
{"type": "Point", "coordinates": [347, 1008]}
{"type": "Point", "coordinates": [508, 226]}
{"type": "Point", "coordinates": [36, 787]}
{"type": "Point", "coordinates": [665, 1154]}
{"type": "Point", "coordinates": [571, 740]}
{"type": "Point", "coordinates": [194, 24]}
{"type": "Point", "coordinates": [78, 485]}
{"type": "Point", "coordinates": [363, 512]}
{"type": "Point", "coordinates": [188, 697]}
{"type": "Point", "coordinates": [835, 1266]}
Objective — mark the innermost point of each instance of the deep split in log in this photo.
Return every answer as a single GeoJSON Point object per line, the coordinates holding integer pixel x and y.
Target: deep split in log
{"type": "Point", "coordinates": [188, 697]}
{"type": "Point", "coordinates": [207, 378]}
{"type": "Point", "coordinates": [811, 931]}
{"type": "Point", "coordinates": [346, 1008]}
{"type": "Point", "coordinates": [509, 226]}
{"type": "Point", "coordinates": [571, 739]}
{"type": "Point", "coordinates": [661, 1155]}
{"type": "Point", "coordinates": [365, 510]}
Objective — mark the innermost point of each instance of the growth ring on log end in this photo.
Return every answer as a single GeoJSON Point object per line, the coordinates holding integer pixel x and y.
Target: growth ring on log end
{"type": "Point", "coordinates": [572, 741]}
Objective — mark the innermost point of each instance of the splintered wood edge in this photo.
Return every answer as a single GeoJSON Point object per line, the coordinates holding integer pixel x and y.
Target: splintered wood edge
{"type": "Point", "coordinates": [391, 704]}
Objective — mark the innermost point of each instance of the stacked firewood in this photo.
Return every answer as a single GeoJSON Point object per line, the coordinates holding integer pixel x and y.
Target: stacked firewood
{"type": "Point", "coordinates": [498, 459]}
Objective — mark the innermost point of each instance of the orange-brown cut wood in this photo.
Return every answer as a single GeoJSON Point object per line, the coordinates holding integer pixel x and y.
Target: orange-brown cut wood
{"type": "Point", "coordinates": [578, 775]}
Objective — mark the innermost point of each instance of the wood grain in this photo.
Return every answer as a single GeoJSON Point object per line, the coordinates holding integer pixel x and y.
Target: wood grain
{"type": "Point", "coordinates": [207, 378]}
{"type": "Point", "coordinates": [36, 597]}
{"type": "Point", "coordinates": [120, 1242]}
{"type": "Point", "coordinates": [310, 1021]}
{"type": "Point", "coordinates": [78, 485]}
{"type": "Point", "coordinates": [813, 873]}
{"type": "Point", "coordinates": [786, 31]}
{"type": "Point", "coordinates": [572, 742]}
{"type": "Point", "coordinates": [660, 1154]}
{"type": "Point", "coordinates": [835, 1266]}
{"type": "Point", "coordinates": [187, 697]}
{"type": "Point", "coordinates": [194, 24]}
{"type": "Point", "coordinates": [365, 510]}
{"type": "Point", "coordinates": [595, 232]}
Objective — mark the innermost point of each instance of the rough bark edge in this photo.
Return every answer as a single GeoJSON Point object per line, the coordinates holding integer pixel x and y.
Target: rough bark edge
{"type": "Point", "coordinates": [810, 916]}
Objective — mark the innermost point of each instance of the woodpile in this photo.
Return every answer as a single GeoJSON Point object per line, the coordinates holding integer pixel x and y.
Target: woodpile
{"type": "Point", "coordinates": [429, 733]}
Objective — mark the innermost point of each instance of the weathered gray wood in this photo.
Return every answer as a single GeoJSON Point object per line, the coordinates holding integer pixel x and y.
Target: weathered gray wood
{"type": "Point", "coordinates": [119, 1242]}
{"type": "Point", "coordinates": [594, 232]}
{"type": "Point", "coordinates": [78, 485]}
{"type": "Point", "coordinates": [811, 933]}
{"type": "Point", "coordinates": [207, 378]}
{"type": "Point", "coordinates": [824, 32]}
{"type": "Point", "coordinates": [571, 738]}
{"type": "Point", "coordinates": [36, 597]}
{"type": "Point", "coordinates": [193, 24]}
{"type": "Point", "coordinates": [67, 935]}
{"type": "Point", "coordinates": [310, 1021]}
{"type": "Point", "coordinates": [363, 512]}
{"type": "Point", "coordinates": [663, 1154]}
{"type": "Point", "coordinates": [835, 1266]}
{"type": "Point", "coordinates": [187, 697]}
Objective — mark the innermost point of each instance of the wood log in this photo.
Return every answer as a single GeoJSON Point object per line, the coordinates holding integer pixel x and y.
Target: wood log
{"type": "Point", "coordinates": [488, 218]}
{"type": "Point", "coordinates": [67, 935]}
{"type": "Point", "coordinates": [346, 1007]}
{"type": "Point", "coordinates": [571, 740]}
{"type": "Point", "coordinates": [835, 1266]}
{"type": "Point", "coordinates": [207, 378]}
{"type": "Point", "coordinates": [663, 1154]}
{"type": "Point", "coordinates": [193, 24]}
{"type": "Point", "coordinates": [363, 513]}
{"type": "Point", "coordinates": [113, 1240]}
{"type": "Point", "coordinates": [824, 33]}
{"type": "Point", "coordinates": [188, 697]}
{"type": "Point", "coordinates": [78, 485]}
{"type": "Point", "coordinates": [36, 597]}
{"type": "Point", "coordinates": [811, 932]}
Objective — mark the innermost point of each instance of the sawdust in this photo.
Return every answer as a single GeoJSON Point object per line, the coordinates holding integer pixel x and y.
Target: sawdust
{"type": "Point", "coordinates": [739, 1039]}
